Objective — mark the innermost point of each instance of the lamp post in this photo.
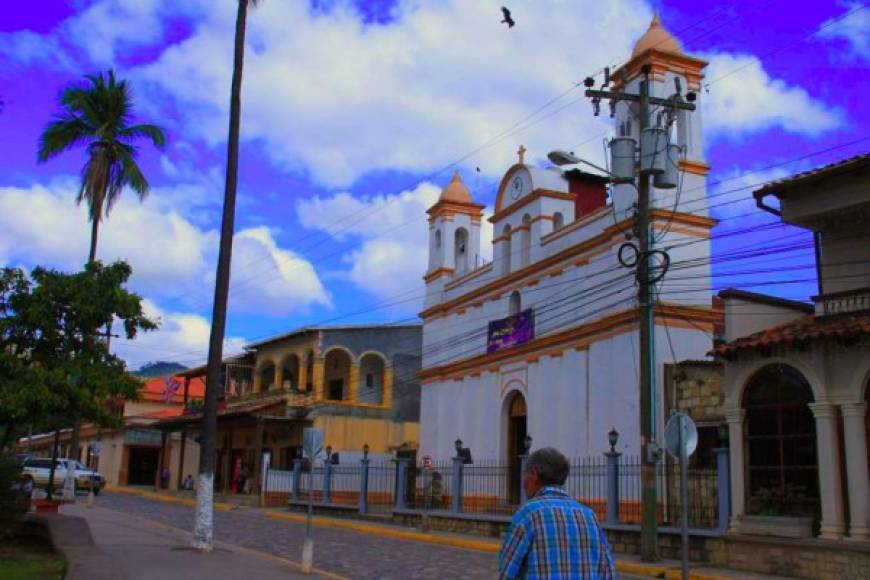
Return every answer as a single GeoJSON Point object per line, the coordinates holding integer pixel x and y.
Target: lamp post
{"type": "Point", "coordinates": [458, 444]}
{"type": "Point", "coordinates": [366, 449]}
{"type": "Point", "coordinates": [613, 477]}
{"type": "Point", "coordinates": [613, 438]}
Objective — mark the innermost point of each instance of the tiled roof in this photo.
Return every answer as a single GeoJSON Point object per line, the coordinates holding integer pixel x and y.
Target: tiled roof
{"type": "Point", "coordinates": [824, 171]}
{"type": "Point", "coordinates": [152, 390]}
{"type": "Point", "coordinates": [800, 331]}
{"type": "Point", "coordinates": [248, 406]}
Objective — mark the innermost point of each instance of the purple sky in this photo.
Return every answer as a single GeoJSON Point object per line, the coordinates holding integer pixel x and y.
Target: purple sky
{"type": "Point", "coordinates": [348, 105]}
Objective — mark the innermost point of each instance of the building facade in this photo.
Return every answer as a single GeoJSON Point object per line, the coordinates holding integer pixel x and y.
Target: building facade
{"type": "Point", "coordinates": [358, 384]}
{"type": "Point", "coordinates": [797, 375]}
{"type": "Point", "coordinates": [544, 340]}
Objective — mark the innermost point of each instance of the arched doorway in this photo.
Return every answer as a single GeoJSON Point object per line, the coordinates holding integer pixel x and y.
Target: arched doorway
{"type": "Point", "coordinates": [517, 429]}
{"type": "Point", "coordinates": [782, 470]}
{"type": "Point", "coordinates": [371, 373]}
{"type": "Point", "coordinates": [337, 370]}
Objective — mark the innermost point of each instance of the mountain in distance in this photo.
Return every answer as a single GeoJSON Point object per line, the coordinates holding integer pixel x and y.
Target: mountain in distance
{"type": "Point", "coordinates": [159, 369]}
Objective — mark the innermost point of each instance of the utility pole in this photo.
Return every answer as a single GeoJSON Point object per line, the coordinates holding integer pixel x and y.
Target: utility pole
{"type": "Point", "coordinates": [650, 450]}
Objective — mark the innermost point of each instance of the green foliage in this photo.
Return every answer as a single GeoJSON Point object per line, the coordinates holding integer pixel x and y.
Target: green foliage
{"type": "Point", "coordinates": [98, 116]}
{"type": "Point", "coordinates": [53, 363]}
{"type": "Point", "coordinates": [13, 502]}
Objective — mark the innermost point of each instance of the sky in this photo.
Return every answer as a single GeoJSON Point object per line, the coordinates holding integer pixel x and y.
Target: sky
{"type": "Point", "coordinates": [356, 114]}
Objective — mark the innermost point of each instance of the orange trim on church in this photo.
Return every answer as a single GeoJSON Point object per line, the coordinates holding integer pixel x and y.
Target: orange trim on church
{"type": "Point", "coordinates": [665, 314]}
{"type": "Point", "coordinates": [534, 195]}
{"type": "Point", "coordinates": [435, 274]}
{"type": "Point", "coordinates": [694, 167]}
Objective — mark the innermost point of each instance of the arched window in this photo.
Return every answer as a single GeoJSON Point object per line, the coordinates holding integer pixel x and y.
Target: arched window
{"type": "Point", "coordinates": [291, 372]}
{"type": "Point", "coordinates": [371, 378]}
{"type": "Point", "coordinates": [337, 370]}
{"type": "Point", "coordinates": [781, 460]}
{"type": "Point", "coordinates": [558, 221]}
{"type": "Point", "coordinates": [526, 240]}
{"type": "Point", "coordinates": [515, 304]}
{"type": "Point", "coordinates": [460, 250]}
{"type": "Point", "coordinates": [506, 249]}
{"type": "Point", "coordinates": [267, 377]}
{"type": "Point", "coordinates": [309, 370]}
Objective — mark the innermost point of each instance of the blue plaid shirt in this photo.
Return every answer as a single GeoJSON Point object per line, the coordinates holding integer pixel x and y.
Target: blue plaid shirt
{"type": "Point", "coordinates": [555, 536]}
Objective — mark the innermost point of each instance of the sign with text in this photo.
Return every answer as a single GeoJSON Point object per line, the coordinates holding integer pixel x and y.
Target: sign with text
{"type": "Point", "coordinates": [511, 331]}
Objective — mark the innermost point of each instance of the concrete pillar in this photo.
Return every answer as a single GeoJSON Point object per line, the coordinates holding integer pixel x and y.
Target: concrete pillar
{"type": "Point", "coordinates": [364, 485]}
{"type": "Point", "coordinates": [830, 484]}
{"type": "Point", "coordinates": [735, 418]}
{"type": "Point", "coordinates": [297, 477]}
{"type": "Point", "coordinates": [402, 465]}
{"type": "Point", "coordinates": [857, 478]}
{"type": "Point", "coordinates": [353, 387]}
{"type": "Point", "coordinates": [387, 397]}
{"type": "Point", "coordinates": [257, 468]}
{"type": "Point", "coordinates": [279, 375]}
{"type": "Point", "coordinates": [612, 486]}
{"type": "Point", "coordinates": [456, 486]}
{"type": "Point", "coordinates": [317, 371]}
{"type": "Point", "coordinates": [326, 492]}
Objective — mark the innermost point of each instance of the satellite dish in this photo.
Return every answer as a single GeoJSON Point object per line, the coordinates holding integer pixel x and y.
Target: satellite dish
{"type": "Point", "coordinates": [674, 439]}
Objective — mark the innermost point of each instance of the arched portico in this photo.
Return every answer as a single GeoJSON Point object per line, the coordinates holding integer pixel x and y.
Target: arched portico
{"type": "Point", "coordinates": [337, 367]}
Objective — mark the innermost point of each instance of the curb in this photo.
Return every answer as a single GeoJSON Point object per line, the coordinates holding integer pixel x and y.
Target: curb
{"type": "Point", "coordinates": [218, 506]}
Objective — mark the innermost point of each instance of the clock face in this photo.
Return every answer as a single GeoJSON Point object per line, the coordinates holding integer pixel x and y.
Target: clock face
{"type": "Point", "coordinates": [517, 186]}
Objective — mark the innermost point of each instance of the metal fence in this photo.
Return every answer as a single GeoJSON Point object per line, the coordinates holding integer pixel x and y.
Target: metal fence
{"type": "Point", "coordinates": [610, 485]}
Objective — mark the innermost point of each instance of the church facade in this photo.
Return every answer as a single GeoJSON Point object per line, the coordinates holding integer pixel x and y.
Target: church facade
{"type": "Point", "coordinates": [544, 340]}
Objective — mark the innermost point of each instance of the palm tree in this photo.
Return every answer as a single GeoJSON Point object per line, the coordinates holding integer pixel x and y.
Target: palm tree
{"type": "Point", "coordinates": [203, 534]}
{"type": "Point", "coordinates": [98, 116]}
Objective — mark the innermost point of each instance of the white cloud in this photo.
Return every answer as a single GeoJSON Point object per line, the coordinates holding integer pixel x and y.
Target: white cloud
{"type": "Point", "coordinates": [182, 337]}
{"type": "Point", "coordinates": [393, 234]}
{"type": "Point", "coordinates": [854, 29]}
{"type": "Point", "coordinates": [172, 258]}
{"type": "Point", "coordinates": [749, 101]}
{"type": "Point", "coordinates": [336, 98]}
{"type": "Point", "coordinates": [27, 48]}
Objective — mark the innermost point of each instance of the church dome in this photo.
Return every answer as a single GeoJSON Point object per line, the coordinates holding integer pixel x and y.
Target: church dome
{"type": "Point", "coordinates": [456, 191]}
{"type": "Point", "coordinates": [656, 37]}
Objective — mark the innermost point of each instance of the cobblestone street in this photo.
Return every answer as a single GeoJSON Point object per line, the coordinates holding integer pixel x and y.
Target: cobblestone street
{"type": "Point", "coordinates": [343, 552]}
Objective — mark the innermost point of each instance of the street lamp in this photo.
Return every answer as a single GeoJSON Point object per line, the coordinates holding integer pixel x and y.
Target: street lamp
{"type": "Point", "coordinates": [613, 438]}
{"type": "Point", "coordinates": [560, 158]}
{"type": "Point", "coordinates": [329, 453]}
{"type": "Point", "coordinates": [365, 451]}
{"type": "Point", "coordinates": [458, 445]}
{"type": "Point", "coordinates": [527, 442]}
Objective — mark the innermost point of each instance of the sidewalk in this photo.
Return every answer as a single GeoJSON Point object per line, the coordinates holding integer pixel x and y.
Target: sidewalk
{"type": "Point", "coordinates": [132, 548]}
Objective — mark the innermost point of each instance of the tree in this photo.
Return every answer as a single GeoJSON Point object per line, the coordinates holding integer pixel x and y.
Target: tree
{"type": "Point", "coordinates": [98, 115]}
{"type": "Point", "coordinates": [52, 364]}
{"type": "Point", "coordinates": [203, 535]}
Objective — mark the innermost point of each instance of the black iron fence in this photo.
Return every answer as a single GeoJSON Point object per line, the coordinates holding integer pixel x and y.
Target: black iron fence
{"type": "Point", "coordinates": [610, 485]}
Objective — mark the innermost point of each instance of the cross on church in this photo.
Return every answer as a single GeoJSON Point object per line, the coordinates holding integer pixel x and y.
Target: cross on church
{"type": "Point", "coordinates": [521, 153]}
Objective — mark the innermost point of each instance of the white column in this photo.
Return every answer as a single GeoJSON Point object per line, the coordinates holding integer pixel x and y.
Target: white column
{"type": "Point", "coordinates": [735, 419]}
{"type": "Point", "coordinates": [857, 478]}
{"type": "Point", "coordinates": [830, 484]}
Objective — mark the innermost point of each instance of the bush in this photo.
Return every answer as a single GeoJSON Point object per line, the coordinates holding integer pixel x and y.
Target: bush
{"type": "Point", "coordinates": [14, 500]}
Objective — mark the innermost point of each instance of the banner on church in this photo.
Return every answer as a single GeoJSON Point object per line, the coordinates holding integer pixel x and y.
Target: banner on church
{"type": "Point", "coordinates": [511, 331]}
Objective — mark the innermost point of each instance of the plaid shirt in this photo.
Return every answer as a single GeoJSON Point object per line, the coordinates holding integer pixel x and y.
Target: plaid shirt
{"type": "Point", "coordinates": [554, 536]}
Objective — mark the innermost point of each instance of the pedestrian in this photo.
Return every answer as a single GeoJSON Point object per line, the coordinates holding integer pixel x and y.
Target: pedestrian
{"type": "Point", "coordinates": [164, 478]}
{"type": "Point", "coordinates": [187, 484]}
{"type": "Point", "coordinates": [553, 535]}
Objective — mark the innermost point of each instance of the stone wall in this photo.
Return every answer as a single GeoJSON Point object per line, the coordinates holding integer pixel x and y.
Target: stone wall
{"type": "Point", "coordinates": [696, 388]}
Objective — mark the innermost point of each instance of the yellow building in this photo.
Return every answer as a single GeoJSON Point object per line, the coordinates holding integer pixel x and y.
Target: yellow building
{"type": "Point", "coordinates": [357, 383]}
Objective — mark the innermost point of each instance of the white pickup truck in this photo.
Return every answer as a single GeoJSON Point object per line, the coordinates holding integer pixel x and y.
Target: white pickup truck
{"type": "Point", "coordinates": [38, 469]}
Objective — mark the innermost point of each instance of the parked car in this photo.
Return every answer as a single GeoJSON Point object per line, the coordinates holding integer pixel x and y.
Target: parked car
{"type": "Point", "coordinates": [85, 478]}
{"type": "Point", "coordinates": [38, 469]}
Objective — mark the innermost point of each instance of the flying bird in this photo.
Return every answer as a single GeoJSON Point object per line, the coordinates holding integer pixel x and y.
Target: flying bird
{"type": "Point", "coordinates": [507, 17]}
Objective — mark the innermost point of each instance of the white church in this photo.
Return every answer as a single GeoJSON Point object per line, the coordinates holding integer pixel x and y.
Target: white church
{"type": "Point", "coordinates": [544, 340]}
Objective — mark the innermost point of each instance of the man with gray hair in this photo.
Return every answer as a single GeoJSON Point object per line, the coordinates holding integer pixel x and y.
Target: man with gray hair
{"type": "Point", "coordinates": [553, 535]}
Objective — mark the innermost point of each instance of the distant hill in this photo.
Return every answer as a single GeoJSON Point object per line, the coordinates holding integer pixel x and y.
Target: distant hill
{"type": "Point", "coordinates": [159, 369]}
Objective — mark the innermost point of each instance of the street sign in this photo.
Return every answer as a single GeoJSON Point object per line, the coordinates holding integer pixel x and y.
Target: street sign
{"type": "Point", "coordinates": [312, 442]}
{"type": "Point", "coordinates": [673, 438]}
{"type": "Point", "coordinates": [426, 462]}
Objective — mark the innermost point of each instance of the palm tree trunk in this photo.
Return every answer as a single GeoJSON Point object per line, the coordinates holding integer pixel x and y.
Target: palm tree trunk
{"type": "Point", "coordinates": [95, 227]}
{"type": "Point", "coordinates": [203, 536]}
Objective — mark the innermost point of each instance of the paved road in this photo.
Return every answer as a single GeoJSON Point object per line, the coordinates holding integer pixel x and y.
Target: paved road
{"type": "Point", "coordinates": [344, 552]}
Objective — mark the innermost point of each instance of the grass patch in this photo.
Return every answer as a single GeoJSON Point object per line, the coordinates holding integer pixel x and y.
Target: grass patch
{"type": "Point", "coordinates": [32, 567]}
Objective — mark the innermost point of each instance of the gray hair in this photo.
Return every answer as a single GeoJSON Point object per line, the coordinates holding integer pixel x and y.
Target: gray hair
{"type": "Point", "coordinates": [551, 466]}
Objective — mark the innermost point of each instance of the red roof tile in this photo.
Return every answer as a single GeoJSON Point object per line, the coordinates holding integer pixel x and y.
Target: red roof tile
{"type": "Point", "coordinates": [801, 331]}
{"type": "Point", "coordinates": [153, 389]}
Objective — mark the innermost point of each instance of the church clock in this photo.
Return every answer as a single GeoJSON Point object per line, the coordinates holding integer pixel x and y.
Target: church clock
{"type": "Point", "coordinates": [517, 187]}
